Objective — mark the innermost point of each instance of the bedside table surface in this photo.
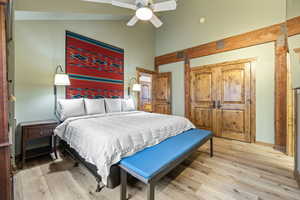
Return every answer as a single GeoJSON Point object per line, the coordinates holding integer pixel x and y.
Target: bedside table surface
{"type": "Point", "coordinates": [41, 122]}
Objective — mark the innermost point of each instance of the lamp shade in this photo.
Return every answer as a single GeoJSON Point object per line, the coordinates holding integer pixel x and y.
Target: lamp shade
{"type": "Point", "coordinates": [61, 79]}
{"type": "Point", "coordinates": [136, 87]}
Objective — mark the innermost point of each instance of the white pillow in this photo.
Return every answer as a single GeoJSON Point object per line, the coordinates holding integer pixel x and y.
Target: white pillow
{"type": "Point", "coordinates": [128, 105]}
{"type": "Point", "coordinates": [70, 108]}
{"type": "Point", "coordinates": [94, 106]}
{"type": "Point", "coordinates": [113, 105]}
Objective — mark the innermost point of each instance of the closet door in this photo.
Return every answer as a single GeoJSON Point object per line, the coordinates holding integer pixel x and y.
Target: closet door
{"type": "Point", "coordinates": [233, 104]}
{"type": "Point", "coordinates": [203, 95]}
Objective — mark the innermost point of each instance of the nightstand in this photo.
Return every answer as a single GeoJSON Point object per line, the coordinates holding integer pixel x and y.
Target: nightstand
{"type": "Point", "coordinates": [37, 130]}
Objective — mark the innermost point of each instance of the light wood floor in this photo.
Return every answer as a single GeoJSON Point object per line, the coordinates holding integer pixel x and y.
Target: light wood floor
{"type": "Point", "coordinates": [237, 171]}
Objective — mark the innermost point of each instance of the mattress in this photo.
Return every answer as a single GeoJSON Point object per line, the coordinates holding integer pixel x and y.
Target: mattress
{"type": "Point", "coordinates": [104, 139]}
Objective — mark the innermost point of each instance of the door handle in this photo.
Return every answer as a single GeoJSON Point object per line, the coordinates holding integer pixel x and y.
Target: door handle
{"type": "Point", "coordinates": [213, 104]}
{"type": "Point", "coordinates": [219, 104]}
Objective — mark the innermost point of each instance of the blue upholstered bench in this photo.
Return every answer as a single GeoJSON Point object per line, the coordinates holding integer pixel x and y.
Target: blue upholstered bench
{"type": "Point", "coordinates": [151, 164]}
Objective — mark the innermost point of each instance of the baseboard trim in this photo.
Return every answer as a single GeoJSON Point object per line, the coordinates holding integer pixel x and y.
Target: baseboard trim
{"type": "Point", "coordinates": [280, 148]}
{"type": "Point", "coordinates": [264, 144]}
{"type": "Point", "coordinates": [297, 177]}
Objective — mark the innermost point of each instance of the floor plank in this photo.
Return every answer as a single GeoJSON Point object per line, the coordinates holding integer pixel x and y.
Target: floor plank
{"type": "Point", "coordinates": [238, 171]}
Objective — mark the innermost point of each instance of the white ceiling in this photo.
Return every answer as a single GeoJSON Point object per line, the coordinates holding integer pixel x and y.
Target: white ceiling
{"type": "Point", "coordinates": [37, 15]}
{"type": "Point", "coordinates": [70, 10]}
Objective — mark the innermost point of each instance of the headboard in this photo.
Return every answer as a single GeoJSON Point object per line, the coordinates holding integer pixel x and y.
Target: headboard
{"type": "Point", "coordinates": [96, 69]}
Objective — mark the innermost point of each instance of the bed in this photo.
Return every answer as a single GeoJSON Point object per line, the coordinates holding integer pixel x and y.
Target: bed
{"type": "Point", "coordinates": [100, 141]}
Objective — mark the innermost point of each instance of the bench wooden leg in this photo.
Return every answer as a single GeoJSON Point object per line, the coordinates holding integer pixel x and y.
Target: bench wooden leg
{"type": "Point", "coordinates": [150, 191]}
{"type": "Point", "coordinates": [211, 148]}
{"type": "Point", "coordinates": [123, 191]}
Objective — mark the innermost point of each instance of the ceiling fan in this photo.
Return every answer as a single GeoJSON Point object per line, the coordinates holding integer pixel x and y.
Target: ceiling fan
{"type": "Point", "coordinates": [144, 9]}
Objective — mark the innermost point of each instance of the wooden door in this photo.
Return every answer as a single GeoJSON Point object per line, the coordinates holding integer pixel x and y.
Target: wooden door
{"type": "Point", "coordinates": [221, 98]}
{"type": "Point", "coordinates": [233, 101]}
{"type": "Point", "coordinates": [162, 92]}
{"type": "Point", "coordinates": [203, 95]}
{"type": "Point", "coordinates": [5, 174]}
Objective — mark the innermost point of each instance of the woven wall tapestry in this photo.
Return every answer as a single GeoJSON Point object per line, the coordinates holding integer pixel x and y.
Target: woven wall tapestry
{"type": "Point", "coordinates": [96, 69]}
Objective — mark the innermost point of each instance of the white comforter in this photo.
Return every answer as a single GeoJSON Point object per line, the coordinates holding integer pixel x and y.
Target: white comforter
{"type": "Point", "coordinates": [105, 139]}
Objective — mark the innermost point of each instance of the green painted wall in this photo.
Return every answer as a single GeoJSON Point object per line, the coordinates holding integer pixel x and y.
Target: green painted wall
{"type": "Point", "coordinates": [293, 8]}
{"type": "Point", "coordinates": [182, 29]}
{"type": "Point", "coordinates": [177, 70]}
{"type": "Point", "coordinates": [294, 42]}
{"type": "Point", "coordinates": [224, 18]}
{"type": "Point", "coordinates": [40, 46]}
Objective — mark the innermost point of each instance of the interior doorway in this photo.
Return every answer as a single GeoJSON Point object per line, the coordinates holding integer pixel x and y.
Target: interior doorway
{"type": "Point", "coordinates": [145, 97]}
{"type": "Point", "coordinates": [155, 94]}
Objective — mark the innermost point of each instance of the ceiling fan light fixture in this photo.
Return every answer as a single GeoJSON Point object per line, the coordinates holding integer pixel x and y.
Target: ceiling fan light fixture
{"type": "Point", "coordinates": [144, 13]}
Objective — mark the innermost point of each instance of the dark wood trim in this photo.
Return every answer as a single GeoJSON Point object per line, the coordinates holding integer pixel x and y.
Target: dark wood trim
{"type": "Point", "coordinates": [297, 130]}
{"type": "Point", "coordinates": [247, 60]}
{"type": "Point", "coordinates": [281, 81]}
{"type": "Point", "coordinates": [259, 36]}
{"type": "Point", "coordinates": [253, 100]}
{"type": "Point", "coordinates": [293, 26]}
{"type": "Point", "coordinates": [4, 1]}
{"type": "Point", "coordinates": [3, 80]}
{"type": "Point", "coordinates": [156, 68]}
{"type": "Point", "coordinates": [5, 172]}
{"type": "Point", "coordinates": [296, 90]}
{"type": "Point", "coordinates": [187, 89]}
{"type": "Point", "coordinates": [297, 177]}
{"type": "Point", "coordinates": [142, 70]}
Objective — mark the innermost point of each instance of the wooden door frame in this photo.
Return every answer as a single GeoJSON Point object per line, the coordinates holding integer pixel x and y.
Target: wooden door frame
{"type": "Point", "coordinates": [296, 128]}
{"type": "Point", "coordinates": [252, 61]}
{"type": "Point", "coordinates": [139, 71]}
{"type": "Point", "coordinates": [5, 173]}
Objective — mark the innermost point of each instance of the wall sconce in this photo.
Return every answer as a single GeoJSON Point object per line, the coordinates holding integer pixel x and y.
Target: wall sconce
{"type": "Point", "coordinates": [60, 79]}
{"type": "Point", "coordinates": [135, 87]}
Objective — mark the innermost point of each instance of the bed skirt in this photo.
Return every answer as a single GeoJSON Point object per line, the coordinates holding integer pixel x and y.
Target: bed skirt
{"type": "Point", "coordinates": [114, 176]}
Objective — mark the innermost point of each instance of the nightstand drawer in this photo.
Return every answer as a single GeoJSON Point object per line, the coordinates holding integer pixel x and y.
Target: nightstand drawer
{"type": "Point", "coordinates": [38, 132]}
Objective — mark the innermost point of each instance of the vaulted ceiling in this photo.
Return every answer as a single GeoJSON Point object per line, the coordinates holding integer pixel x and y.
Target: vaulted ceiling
{"type": "Point", "coordinates": [70, 9]}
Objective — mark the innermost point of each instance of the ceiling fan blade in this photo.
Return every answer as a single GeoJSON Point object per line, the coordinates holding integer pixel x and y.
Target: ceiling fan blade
{"type": "Point", "coordinates": [133, 21]}
{"type": "Point", "coordinates": [156, 21]}
{"type": "Point", "coordinates": [145, 2]}
{"type": "Point", "coordinates": [124, 5]}
{"type": "Point", "coordinates": [164, 6]}
{"type": "Point", "coordinates": [99, 1]}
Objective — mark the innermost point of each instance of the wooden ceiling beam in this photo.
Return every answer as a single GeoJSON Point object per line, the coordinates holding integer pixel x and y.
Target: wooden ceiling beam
{"type": "Point", "coordinates": [293, 26]}
{"type": "Point", "coordinates": [252, 38]}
